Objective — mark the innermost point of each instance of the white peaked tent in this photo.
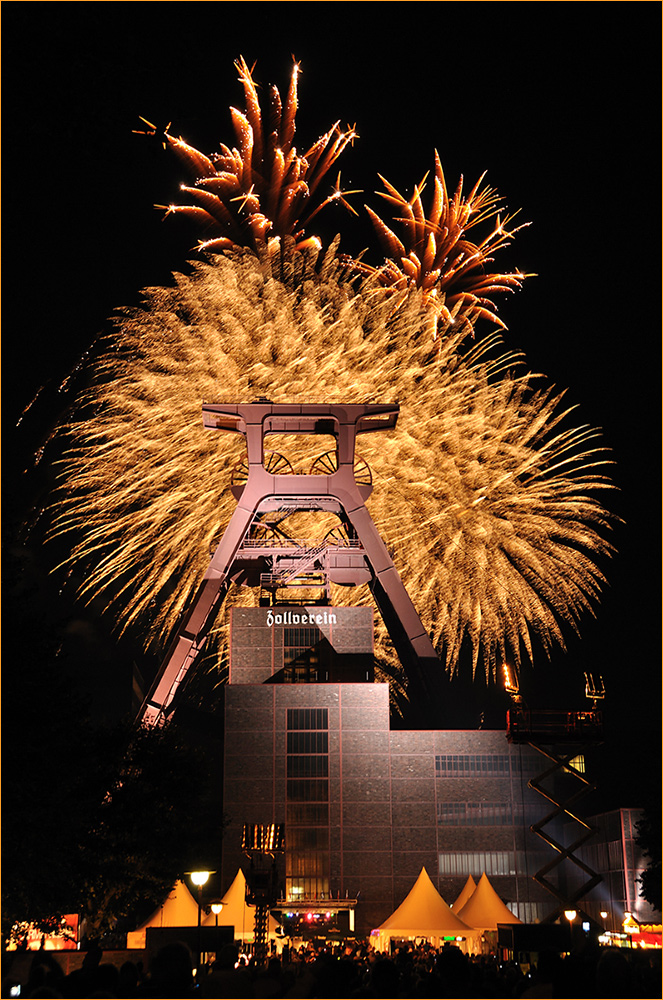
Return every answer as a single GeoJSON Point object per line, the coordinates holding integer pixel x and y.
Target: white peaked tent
{"type": "Point", "coordinates": [485, 910]}
{"type": "Point", "coordinates": [465, 894]}
{"type": "Point", "coordinates": [179, 910]}
{"type": "Point", "coordinates": [237, 913]}
{"type": "Point", "coordinates": [423, 914]}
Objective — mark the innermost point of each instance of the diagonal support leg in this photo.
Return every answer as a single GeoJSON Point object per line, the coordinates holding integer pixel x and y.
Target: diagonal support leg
{"type": "Point", "coordinates": [194, 627]}
{"type": "Point", "coordinates": [411, 641]}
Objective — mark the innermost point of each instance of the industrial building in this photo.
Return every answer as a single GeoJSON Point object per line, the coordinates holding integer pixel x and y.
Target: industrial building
{"type": "Point", "coordinates": [364, 806]}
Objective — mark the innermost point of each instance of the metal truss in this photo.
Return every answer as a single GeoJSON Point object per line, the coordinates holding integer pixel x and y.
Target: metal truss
{"type": "Point", "coordinates": [255, 550]}
{"type": "Point", "coordinates": [545, 732]}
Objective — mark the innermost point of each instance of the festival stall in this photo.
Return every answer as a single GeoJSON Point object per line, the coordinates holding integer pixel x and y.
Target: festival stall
{"type": "Point", "coordinates": [423, 914]}
{"type": "Point", "coordinates": [465, 894]}
{"type": "Point", "coordinates": [179, 910]}
{"type": "Point", "coordinates": [484, 910]}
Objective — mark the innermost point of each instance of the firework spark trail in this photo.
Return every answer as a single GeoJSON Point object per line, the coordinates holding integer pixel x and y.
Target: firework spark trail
{"type": "Point", "coordinates": [487, 499]}
{"type": "Point", "coordinates": [436, 255]}
{"type": "Point", "coordinates": [261, 190]}
{"type": "Point", "coordinates": [486, 504]}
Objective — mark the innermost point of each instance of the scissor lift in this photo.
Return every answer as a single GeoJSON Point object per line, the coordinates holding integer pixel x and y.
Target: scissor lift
{"type": "Point", "coordinates": [254, 551]}
{"type": "Point", "coordinates": [561, 738]}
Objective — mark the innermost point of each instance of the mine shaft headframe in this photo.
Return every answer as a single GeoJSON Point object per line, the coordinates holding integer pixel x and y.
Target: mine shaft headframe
{"type": "Point", "coordinates": [337, 488]}
{"type": "Point", "coordinates": [343, 421]}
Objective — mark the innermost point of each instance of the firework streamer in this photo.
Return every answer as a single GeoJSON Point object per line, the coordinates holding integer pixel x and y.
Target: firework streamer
{"type": "Point", "coordinates": [436, 254]}
{"type": "Point", "coordinates": [486, 494]}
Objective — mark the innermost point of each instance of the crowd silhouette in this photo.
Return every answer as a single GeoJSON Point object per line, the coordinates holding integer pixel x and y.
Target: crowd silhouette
{"type": "Point", "coordinates": [350, 970]}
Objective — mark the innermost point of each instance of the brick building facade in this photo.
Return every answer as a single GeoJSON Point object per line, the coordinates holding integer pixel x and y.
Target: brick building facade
{"type": "Point", "coordinates": [365, 806]}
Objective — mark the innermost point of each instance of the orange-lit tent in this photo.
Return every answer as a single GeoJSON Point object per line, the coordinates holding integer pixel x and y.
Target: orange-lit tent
{"type": "Point", "coordinates": [179, 910]}
{"type": "Point", "coordinates": [465, 894]}
{"type": "Point", "coordinates": [423, 914]}
{"type": "Point", "coordinates": [237, 913]}
{"type": "Point", "coordinates": [485, 910]}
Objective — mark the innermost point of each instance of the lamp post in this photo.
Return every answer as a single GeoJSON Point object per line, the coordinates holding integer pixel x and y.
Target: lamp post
{"type": "Point", "coordinates": [216, 910]}
{"type": "Point", "coordinates": [570, 916]}
{"type": "Point", "coordinates": [199, 879]}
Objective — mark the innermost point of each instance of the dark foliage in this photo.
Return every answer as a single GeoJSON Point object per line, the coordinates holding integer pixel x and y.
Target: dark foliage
{"type": "Point", "coordinates": [650, 835]}
{"type": "Point", "coordinates": [98, 819]}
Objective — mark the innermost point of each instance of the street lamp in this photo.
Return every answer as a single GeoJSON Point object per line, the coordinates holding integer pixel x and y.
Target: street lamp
{"type": "Point", "coordinates": [199, 879]}
{"type": "Point", "coordinates": [570, 916]}
{"type": "Point", "coordinates": [216, 910]}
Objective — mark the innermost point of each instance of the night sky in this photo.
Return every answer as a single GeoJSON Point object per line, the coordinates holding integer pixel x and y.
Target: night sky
{"type": "Point", "coordinates": [560, 110]}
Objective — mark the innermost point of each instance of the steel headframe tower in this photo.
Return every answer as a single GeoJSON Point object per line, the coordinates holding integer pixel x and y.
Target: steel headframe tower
{"type": "Point", "coordinates": [271, 486]}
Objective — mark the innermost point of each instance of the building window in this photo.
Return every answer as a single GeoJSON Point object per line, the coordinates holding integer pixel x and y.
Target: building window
{"type": "Point", "coordinates": [307, 802]}
{"type": "Point", "coordinates": [308, 767]}
{"type": "Point", "coordinates": [472, 765]}
{"type": "Point", "coordinates": [529, 913]}
{"type": "Point", "coordinates": [578, 763]}
{"type": "Point", "coordinates": [475, 813]}
{"type": "Point", "coordinates": [317, 742]}
{"type": "Point", "coordinates": [491, 765]}
{"type": "Point", "coordinates": [305, 655]}
{"type": "Point", "coordinates": [475, 863]}
{"type": "Point", "coordinates": [306, 813]}
{"type": "Point", "coordinates": [308, 718]}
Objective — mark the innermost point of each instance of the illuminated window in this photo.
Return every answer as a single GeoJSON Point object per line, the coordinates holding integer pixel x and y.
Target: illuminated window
{"type": "Point", "coordinates": [307, 790]}
{"type": "Point", "coordinates": [312, 766]}
{"type": "Point", "coordinates": [307, 813]}
{"type": "Point", "coordinates": [578, 763]}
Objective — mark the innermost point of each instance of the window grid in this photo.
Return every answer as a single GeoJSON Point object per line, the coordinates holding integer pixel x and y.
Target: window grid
{"type": "Point", "coordinates": [475, 863]}
{"type": "Point", "coordinates": [475, 813]}
{"type": "Point", "coordinates": [301, 638]}
{"type": "Point", "coordinates": [307, 743]}
{"type": "Point", "coordinates": [308, 767]}
{"type": "Point", "coordinates": [495, 765]}
{"type": "Point", "coordinates": [307, 801]}
{"type": "Point", "coordinates": [308, 718]}
{"type": "Point", "coordinates": [472, 764]}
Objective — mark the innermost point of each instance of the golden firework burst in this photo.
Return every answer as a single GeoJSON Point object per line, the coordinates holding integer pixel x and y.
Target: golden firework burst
{"type": "Point", "coordinates": [488, 506]}
{"type": "Point", "coordinates": [486, 494]}
{"type": "Point", "coordinates": [262, 189]}
{"type": "Point", "coordinates": [435, 253]}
